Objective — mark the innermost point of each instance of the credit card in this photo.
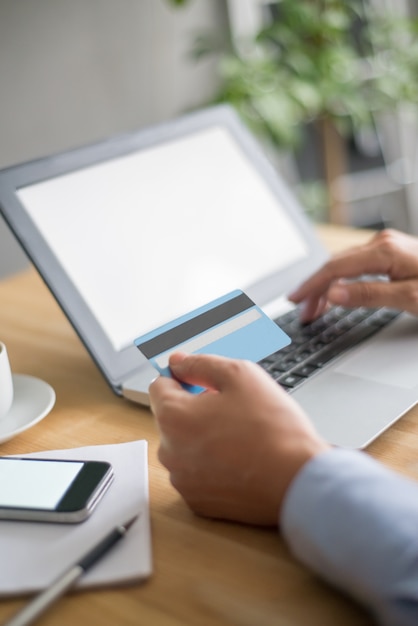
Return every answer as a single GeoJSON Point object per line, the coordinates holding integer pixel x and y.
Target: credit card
{"type": "Point", "coordinates": [232, 326]}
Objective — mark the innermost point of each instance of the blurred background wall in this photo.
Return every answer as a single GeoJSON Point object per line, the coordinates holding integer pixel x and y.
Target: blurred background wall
{"type": "Point", "coordinates": [73, 72]}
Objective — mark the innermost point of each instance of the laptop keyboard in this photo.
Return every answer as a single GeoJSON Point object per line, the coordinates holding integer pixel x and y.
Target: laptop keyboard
{"type": "Point", "coordinates": [315, 344]}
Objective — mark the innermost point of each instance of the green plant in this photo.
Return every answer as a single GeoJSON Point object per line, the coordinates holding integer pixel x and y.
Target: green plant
{"type": "Point", "coordinates": [332, 62]}
{"type": "Point", "coordinates": [308, 63]}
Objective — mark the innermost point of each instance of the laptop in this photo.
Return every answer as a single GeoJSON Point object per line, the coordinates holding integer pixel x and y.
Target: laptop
{"type": "Point", "coordinates": [139, 229]}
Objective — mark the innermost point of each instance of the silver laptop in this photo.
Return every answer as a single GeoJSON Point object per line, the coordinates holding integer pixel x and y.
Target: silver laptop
{"type": "Point", "coordinates": [137, 230]}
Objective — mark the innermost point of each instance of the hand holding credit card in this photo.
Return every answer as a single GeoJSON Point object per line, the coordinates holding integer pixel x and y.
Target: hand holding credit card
{"type": "Point", "coordinates": [232, 326]}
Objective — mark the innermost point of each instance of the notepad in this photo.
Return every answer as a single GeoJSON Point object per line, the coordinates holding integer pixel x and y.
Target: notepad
{"type": "Point", "coordinates": [34, 554]}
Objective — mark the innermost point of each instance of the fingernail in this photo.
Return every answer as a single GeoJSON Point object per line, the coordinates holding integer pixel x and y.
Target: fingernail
{"type": "Point", "coordinates": [176, 359]}
{"type": "Point", "coordinates": [338, 294]}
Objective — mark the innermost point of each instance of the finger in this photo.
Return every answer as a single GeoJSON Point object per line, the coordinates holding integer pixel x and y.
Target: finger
{"type": "Point", "coordinates": [402, 295]}
{"type": "Point", "coordinates": [160, 389]}
{"type": "Point", "coordinates": [162, 384]}
{"type": "Point", "coordinates": [351, 264]}
{"type": "Point", "coordinates": [313, 308]}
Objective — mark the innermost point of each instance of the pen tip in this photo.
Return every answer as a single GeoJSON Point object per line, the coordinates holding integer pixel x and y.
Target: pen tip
{"type": "Point", "coordinates": [129, 523]}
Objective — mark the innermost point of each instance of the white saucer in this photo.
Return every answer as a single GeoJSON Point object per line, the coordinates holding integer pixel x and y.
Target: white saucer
{"type": "Point", "coordinates": [32, 401]}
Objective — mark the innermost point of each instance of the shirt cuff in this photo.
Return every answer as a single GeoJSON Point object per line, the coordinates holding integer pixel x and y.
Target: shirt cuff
{"type": "Point", "coordinates": [354, 522]}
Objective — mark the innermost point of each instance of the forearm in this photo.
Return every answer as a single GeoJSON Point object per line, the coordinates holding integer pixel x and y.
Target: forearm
{"type": "Point", "coordinates": [356, 524]}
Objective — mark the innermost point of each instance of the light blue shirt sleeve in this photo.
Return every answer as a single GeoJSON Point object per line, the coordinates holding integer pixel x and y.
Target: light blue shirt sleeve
{"type": "Point", "coordinates": [355, 523]}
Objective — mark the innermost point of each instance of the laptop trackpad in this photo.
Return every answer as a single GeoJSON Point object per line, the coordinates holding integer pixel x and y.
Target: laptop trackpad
{"type": "Point", "coordinates": [390, 358]}
{"type": "Point", "coordinates": [350, 411]}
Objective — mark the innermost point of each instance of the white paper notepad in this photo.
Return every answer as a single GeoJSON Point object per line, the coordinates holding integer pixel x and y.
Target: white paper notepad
{"type": "Point", "coordinates": [34, 554]}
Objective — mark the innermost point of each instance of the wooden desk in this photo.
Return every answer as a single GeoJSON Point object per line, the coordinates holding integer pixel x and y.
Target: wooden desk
{"type": "Point", "coordinates": [206, 572]}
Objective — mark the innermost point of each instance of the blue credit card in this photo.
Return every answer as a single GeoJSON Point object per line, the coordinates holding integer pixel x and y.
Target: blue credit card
{"type": "Point", "coordinates": [231, 326]}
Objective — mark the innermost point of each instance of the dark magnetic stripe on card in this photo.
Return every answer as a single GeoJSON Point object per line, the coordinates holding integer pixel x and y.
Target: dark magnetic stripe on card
{"type": "Point", "coordinates": [195, 326]}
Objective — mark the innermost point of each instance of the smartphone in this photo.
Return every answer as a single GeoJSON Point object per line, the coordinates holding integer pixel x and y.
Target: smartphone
{"type": "Point", "coordinates": [51, 490]}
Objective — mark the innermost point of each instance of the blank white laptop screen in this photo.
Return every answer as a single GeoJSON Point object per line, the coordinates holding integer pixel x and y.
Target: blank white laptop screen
{"type": "Point", "coordinates": [178, 217]}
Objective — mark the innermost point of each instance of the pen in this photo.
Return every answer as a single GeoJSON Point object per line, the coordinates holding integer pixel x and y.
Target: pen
{"type": "Point", "coordinates": [68, 578]}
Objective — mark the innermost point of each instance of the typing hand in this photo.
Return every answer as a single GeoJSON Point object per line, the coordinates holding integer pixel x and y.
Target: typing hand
{"type": "Point", "coordinates": [390, 253]}
{"type": "Point", "coordinates": [233, 450]}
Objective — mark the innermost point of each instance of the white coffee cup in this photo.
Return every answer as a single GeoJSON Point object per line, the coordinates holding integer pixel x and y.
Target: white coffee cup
{"type": "Point", "coordinates": [6, 382]}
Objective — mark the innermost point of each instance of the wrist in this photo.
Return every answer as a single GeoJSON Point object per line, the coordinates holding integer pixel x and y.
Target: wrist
{"type": "Point", "coordinates": [299, 454]}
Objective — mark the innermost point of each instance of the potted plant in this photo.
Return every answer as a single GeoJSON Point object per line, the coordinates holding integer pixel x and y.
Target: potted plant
{"type": "Point", "coordinates": [332, 63]}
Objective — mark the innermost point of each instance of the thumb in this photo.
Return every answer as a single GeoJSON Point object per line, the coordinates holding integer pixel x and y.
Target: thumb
{"type": "Point", "coordinates": [205, 370]}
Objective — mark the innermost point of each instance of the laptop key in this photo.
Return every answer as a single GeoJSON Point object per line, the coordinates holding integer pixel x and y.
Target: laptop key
{"type": "Point", "coordinates": [290, 380]}
{"type": "Point", "coordinates": [306, 370]}
{"type": "Point", "coordinates": [315, 344]}
{"type": "Point", "coordinates": [354, 337]}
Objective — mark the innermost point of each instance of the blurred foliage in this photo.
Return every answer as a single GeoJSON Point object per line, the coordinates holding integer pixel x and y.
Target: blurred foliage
{"type": "Point", "coordinates": [341, 60]}
{"type": "Point", "coordinates": [338, 61]}
{"type": "Point", "coordinates": [314, 198]}
{"type": "Point", "coordinates": [178, 2]}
